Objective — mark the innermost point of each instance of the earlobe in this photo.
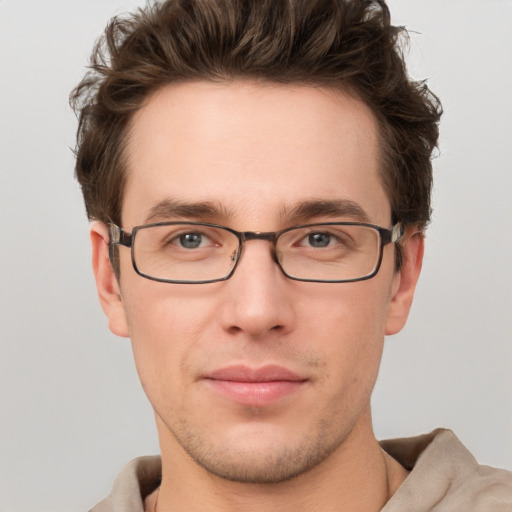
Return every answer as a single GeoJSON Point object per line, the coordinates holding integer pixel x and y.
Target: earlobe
{"type": "Point", "coordinates": [405, 283]}
{"type": "Point", "coordinates": [106, 283]}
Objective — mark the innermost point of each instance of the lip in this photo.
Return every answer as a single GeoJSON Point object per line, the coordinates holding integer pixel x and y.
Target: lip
{"type": "Point", "coordinates": [254, 386]}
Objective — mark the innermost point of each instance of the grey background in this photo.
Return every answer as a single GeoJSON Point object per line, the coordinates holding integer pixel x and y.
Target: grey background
{"type": "Point", "coordinates": [72, 411]}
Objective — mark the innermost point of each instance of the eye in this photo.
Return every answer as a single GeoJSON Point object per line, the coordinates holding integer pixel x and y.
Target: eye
{"type": "Point", "coordinates": [322, 238]}
{"type": "Point", "coordinates": [191, 240]}
{"type": "Point", "coordinates": [184, 239]}
{"type": "Point", "coordinates": [319, 239]}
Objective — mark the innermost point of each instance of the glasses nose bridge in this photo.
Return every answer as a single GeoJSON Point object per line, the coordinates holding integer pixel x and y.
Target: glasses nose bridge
{"type": "Point", "coordinates": [269, 236]}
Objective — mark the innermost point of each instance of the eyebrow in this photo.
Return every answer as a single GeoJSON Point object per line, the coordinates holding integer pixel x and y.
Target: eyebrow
{"type": "Point", "coordinates": [305, 211]}
{"type": "Point", "coordinates": [334, 209]}
{"type": "Point", "coordinates": [175, 209]}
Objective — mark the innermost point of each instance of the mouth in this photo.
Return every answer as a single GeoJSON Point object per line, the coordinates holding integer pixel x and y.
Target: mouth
{"type": "Point", "coordinates": [254, 386]}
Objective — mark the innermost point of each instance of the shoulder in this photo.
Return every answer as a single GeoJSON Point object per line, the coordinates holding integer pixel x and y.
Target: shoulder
{"type": "Point", "coordinates": [446, 477]}
{"type": "Point", "coordinates": [136, 480]}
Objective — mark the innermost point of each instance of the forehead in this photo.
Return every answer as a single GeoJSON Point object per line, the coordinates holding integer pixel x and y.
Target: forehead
{"type": "Point", "coordinates": [255, 149]}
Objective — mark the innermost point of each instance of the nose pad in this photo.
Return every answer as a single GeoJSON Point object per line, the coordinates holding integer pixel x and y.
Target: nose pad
{"type": "Point", "coordinates": [257, 260]}
{"type": "Point", "coordinates": [237, 255]}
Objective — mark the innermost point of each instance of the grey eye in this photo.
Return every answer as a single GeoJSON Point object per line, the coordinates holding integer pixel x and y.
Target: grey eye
{"type": "Point", "coordinates": [191, 240]}
{"type": "Point", "coordinates": [319, 239]}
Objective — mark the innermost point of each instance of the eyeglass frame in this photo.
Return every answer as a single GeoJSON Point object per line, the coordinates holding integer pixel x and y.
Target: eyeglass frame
{"type": "Point", "coordinates": [118, 236]}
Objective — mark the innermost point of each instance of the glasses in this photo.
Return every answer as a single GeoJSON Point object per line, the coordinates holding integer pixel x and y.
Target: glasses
{"type": "Point", "coordinates": [195, 252]}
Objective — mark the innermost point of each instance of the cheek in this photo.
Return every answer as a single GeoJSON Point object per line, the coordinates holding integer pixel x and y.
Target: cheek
{"type": "Point", "coordinates": [352, 313]}
{"type": "Point", "coordinates": [165, 327]}
{"type": "Point", "coordinates": [348, 326]}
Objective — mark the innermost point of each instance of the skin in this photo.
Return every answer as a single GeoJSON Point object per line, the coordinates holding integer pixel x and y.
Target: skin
{"type": "Point", "coordinates": [259, 150]}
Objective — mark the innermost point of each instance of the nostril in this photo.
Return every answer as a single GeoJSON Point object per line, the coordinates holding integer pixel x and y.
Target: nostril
{"type": "Point", "coordinates": [234, 329]}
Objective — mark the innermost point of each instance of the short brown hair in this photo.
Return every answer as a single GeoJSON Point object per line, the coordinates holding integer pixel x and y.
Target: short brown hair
{"type": "Point", "coordinates": [344, 44]}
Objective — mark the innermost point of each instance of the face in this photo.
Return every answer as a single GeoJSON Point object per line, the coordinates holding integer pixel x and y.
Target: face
{"type": "Point", "coordinates": [257, 378]}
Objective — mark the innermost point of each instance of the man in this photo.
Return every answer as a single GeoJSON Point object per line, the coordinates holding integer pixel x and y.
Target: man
{"type": "Point", "coordinates": [259, 178]}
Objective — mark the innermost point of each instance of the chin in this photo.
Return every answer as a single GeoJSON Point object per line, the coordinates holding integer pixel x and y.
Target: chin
{"type": "Point", "coordinates": [259, 456]}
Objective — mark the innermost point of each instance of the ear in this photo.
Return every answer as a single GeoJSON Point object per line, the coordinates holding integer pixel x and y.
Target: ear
{"type": "Point", "coordinates": [107, 285]}
{"type": "Point", "coordinates": [405, 282]}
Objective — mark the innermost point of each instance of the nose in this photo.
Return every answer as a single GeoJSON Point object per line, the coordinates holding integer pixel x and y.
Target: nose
{"type": "Point", "coordinates": [258, 299]}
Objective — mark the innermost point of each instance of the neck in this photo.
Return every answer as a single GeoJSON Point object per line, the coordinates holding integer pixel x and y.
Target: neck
{"type": "Point", "coordinates": [357, 476]}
